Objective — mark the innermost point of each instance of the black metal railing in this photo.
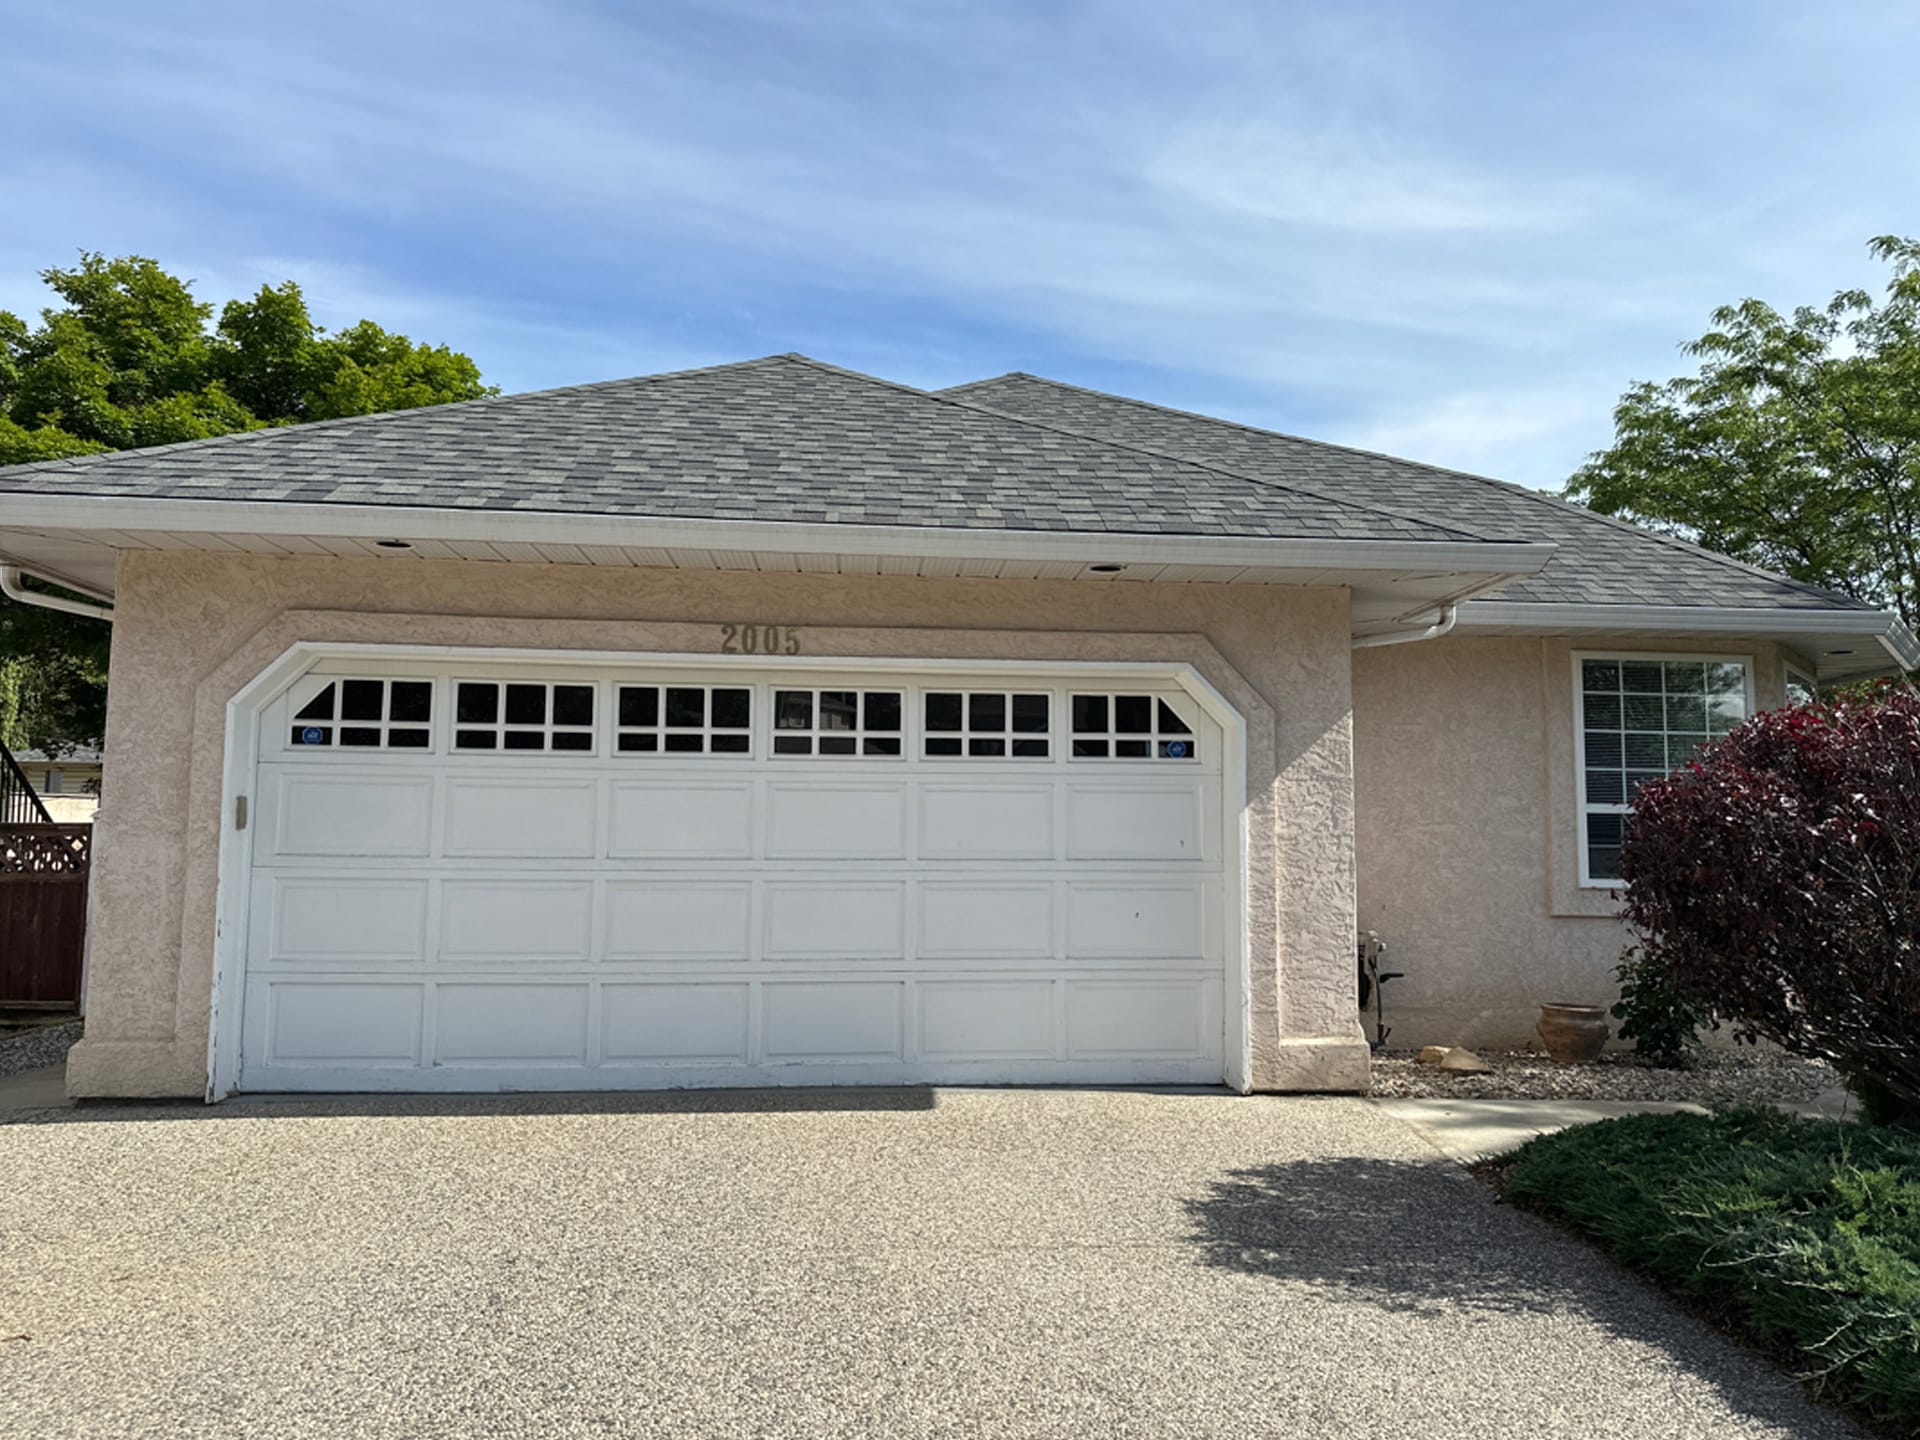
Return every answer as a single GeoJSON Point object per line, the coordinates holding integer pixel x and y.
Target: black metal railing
{"type": "Point", "coordinates": [19, 805]}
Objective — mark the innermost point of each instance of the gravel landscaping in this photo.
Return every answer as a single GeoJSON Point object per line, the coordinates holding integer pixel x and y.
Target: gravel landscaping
{"type": "Point", "coordinates": [1717, 1077]}
{"type": "Point", "coordinates": [37, 1046]}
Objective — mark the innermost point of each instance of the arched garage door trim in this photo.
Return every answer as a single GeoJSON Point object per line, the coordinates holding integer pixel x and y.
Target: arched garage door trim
{"type": "Point", "coordinates": [243, 755]}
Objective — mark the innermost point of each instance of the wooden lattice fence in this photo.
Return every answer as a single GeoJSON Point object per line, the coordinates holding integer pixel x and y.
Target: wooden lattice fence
{"type": "Point", "coordinates": [43, 913]}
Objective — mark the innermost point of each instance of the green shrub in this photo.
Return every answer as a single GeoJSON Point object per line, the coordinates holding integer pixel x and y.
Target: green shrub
{"type": "Point", "coordinates": [1808, 1232]}
{"type": "Point", "coordinates": [1663, 1024]}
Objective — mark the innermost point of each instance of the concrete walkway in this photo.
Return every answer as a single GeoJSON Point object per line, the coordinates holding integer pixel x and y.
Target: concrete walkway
{"type": "Point", "coordinates": [1470, 1130]}
{"type": "Point", "coordinates": [904, 1263]}
{"type": "Point", "coordinates": [34, 1089]}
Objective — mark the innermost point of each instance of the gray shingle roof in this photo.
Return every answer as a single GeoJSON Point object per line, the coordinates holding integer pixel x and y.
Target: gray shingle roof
{"type": "Point", "coordinates": [778, 439]}
{"type": "Point", "coordinates": [1599, 560]}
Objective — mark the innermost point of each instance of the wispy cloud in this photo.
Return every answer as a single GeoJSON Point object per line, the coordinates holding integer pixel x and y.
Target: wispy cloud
{"type": "Point", "coordinates": [1454, 233]}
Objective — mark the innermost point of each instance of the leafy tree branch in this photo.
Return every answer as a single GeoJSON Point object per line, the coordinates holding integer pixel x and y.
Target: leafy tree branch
{"type": "Point", "coordinates": [1795, 447]}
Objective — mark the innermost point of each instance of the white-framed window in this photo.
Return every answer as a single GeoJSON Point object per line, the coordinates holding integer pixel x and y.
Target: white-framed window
{"type": "Point", "coordinates": [376, 714]}
{"type": "Point", "coordinates": [683, 720]}
{"type": "Point", "coordinates": [522, 715]}
{"type": "Point", "coordinates": [986, 723]}
{"type": "Point", "coordinates": [1129, 727]}
{"type": "Point", "coordinates": [837, 722]}
{"type": "Point", "coordinates": [1639, 717]}
{"type": "Point", "coordinates": [1801, 687]}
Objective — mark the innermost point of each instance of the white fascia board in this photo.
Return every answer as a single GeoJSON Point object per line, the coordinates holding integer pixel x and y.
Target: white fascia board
{"type": "Point", "coordinates": [380, 522]}
{"type": "Point", "coordinates": [1881, 625]}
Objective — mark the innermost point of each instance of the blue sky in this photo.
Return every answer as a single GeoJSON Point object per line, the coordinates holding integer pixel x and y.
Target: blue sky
{"type": "Point", "coordinates": [1453, 231]}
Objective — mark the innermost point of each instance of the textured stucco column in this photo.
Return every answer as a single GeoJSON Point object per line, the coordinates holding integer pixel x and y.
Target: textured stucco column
{"type": "Point", "coordinates": [1305, 667]}
{"type": "Point", "coordinates": [194, 628]}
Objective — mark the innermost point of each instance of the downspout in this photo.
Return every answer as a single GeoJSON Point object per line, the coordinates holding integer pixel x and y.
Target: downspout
{"type": "Point", "coordinates": [10, 586]}
{"type": "Point", "coordinates": [1449, 613]}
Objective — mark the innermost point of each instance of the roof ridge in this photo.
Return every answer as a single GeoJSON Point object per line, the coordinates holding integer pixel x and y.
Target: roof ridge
{"type": "Point", "coordinates": [76, 462]}
{"type": "Point", "coordinates": [1523, 491]}
{"type": "Point", "coordinates": [1212, 468]}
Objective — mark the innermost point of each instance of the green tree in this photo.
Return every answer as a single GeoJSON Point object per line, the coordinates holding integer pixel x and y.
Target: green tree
{"type": "Point", "coordinates": [127, 359]}
{"type": "Point", "coordinates": [1796, 446]}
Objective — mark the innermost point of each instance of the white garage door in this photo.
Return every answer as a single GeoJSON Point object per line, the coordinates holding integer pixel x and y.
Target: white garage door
{"type": "Point", "coordinates": [544, 875]}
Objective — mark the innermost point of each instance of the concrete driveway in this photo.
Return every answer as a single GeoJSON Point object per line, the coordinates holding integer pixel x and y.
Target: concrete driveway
{"type": "Point", "coordinates": [901, 1264]}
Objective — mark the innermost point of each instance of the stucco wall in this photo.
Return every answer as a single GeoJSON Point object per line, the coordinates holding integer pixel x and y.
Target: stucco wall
{"type": "Point", "coordinates": [192, 629]}
{"type": "Point", "coordinates": [1465, 799]}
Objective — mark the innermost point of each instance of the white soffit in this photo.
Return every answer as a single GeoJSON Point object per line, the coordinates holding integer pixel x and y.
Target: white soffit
{"type": "Point", "coordinates": [77, 536]}
{"type": "Point", "coordinates": [1840, 644]}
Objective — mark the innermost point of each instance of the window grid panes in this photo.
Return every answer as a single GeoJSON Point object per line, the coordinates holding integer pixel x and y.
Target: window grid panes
{"type": "Point", "coordinates": [373, 714]}
{"type": "Point", "coordinates": [523, 715]}
{"type": "Point", "coordinates": [1129, 727]}
{"type": "Point", "coordinates": [985, 724]}
{"type": "Point", "coordinates": [683, 720]}
{"type": "Point", "coordinates": [1642, 718]}
{"type": "Point", "coordinates": [837, 722]}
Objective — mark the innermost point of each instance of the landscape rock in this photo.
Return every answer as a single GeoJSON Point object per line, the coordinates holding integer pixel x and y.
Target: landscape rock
{"type": "Point", "coordinates": [1433, 1054]}
{"type": "Point", "coordinates": [1717, 1077]}
{"type": "Point", "coordinates": [37, 1046]}
{"type": "Point", "coordinates": [1464, 1060]}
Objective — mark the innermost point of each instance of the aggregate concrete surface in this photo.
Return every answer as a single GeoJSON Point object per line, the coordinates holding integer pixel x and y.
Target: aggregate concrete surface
{"type": "Point", "coordinates": [855, 1263]}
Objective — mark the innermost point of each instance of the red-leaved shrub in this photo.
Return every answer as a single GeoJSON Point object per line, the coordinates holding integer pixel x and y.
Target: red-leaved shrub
{"type": "Point", "coordinates": [1776, 879]}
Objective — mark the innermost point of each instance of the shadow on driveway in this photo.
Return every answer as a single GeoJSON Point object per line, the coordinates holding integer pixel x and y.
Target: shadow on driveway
{"type": "Point", "coordinates": [808, 1100]}
{"type": "Point", "coordinates": [1421, 1239]}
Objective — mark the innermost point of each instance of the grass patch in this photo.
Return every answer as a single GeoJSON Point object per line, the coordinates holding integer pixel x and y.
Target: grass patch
{"type": "Point", "coordinates": [1805, 1233]}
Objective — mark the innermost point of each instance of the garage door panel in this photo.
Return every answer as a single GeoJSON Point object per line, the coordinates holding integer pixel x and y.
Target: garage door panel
{"type": "Point", "coordinates": [498, 920]}
{"type": "Point", "coordinates": [674, 1024]}
{"type": "Point", "coordinates": [678, 920]}
{"type": "Point", "coordinates": [1107, 1018]}
{"type": "Point", "coordinates": [522, 818]}
{"type": "Point", "coordinates": [658, 908]}
{"type": "Point", "coordinates": [342, 919]}
{"type": "Point", "coordinates": [813, 821]}
{"type": "Point", "coordinates": [510, 1024]}
{"type": "Point", "coordinates": [317, 813]}
{"type": "Point", "coordinates": [986, 822]}
{"type": "Point", "coordinates": [833, 1020]}
{"type": "Point", "coordinates": [1121, 822]}
{"type": "Point", "coordinates": [986, 1019]}
{"type": "Point", "coordinates": [835, 921]}
{"type": "Point", "coordinates": [961, 921]}
{"type": "Point", "coordinates": [321, 1024]}
{"type": "Point", "coordinates": [1118, 919]}
{"type": "Point", "coordinates": [684, 821]}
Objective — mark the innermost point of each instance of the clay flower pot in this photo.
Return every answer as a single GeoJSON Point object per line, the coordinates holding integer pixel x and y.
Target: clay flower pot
{"type": "Point", "coordinates": [1573, 1034]}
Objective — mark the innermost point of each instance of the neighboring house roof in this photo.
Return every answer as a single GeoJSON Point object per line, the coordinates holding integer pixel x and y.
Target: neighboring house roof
{"type": "Point", "coordinates": [779, 439]}
{"type": "Point", "coordinates": [1600, 561]}
{"type": "Point", "coordinates": [81, 757]}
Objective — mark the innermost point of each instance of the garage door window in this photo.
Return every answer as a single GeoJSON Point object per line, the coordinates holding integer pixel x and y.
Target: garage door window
{"type": "Point", "coordinates": [522, 715]}
{"type": "Point", "coordinates": [836, 722]}
{"type": "Point", "coordinates": [1129, 727]}
{"type": "Point", "coordinates": [375, 714]}
{"type": "Point", "coordinates": [683, 720]}
{"type": "Point", "coordinates": [984, 724]}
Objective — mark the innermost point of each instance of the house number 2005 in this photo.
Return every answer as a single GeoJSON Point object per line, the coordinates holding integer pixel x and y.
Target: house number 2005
{"type": "Point", "coordinates": [759, 640]}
